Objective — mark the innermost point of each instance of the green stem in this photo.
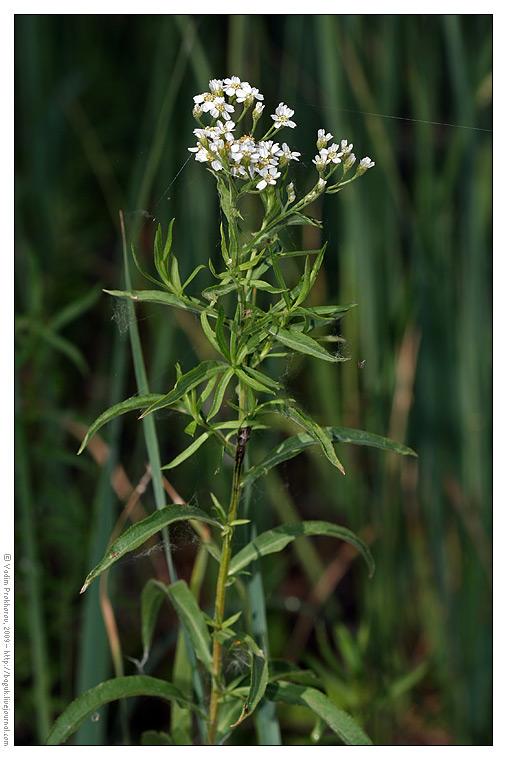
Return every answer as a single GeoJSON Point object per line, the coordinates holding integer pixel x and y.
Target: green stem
{"type": "Point", "coordinates": [216, 688]}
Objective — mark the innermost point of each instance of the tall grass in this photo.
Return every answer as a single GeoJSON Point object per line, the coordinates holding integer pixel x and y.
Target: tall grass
{"type": "Point", "coordinates": [103, 115]}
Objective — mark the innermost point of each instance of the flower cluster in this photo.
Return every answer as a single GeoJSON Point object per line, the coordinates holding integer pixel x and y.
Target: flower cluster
{"type": "Point", "coordinates": [258, 162]}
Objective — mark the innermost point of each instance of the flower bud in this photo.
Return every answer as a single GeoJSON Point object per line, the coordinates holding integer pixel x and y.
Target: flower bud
{"type": "Point", "coordinates": [197, 111]}
{"type": "Point", "coordinates": [348, 162]}
{"type": "Point", "coordinates": [257, 112]}
{"type": "Point", "coordinates": [291, 194]}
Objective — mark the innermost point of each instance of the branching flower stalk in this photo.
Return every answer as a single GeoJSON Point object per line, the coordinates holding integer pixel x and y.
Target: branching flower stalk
{"type": "Point", "coordinates": [249, 315]}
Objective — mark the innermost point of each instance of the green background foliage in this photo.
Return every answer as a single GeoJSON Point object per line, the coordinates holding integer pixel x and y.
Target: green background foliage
{"type": "Point", "coordinates": [103, 123]}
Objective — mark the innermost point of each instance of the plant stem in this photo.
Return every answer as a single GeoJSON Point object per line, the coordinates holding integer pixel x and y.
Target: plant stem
{"type": "Point", "coordinates": [242, 439]}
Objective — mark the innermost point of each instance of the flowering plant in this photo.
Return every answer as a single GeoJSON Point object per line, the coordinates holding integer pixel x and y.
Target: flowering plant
{"type": "Point", "coordinates": [247, 319]}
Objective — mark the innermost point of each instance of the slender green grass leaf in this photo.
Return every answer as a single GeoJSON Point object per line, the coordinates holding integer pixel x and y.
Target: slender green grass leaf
{"type": "Point", "coordinates": [188, 451]}
{"type": "Point", "coordinates": [136, 402]}
{"type": "Point", "coordinates": [62, 345]}
{"type": "Point", "coordinates": [159, 296]}
{"type": "Point", "coordinates": [276, 539]}
{"type": "Point", "coordinates": [151, 599]}
{"type": "Point", "coordinates": [204, 371]}
{"type": "Point", "coordinates": [339, 721]}
{"type": "Point", "coordinates": [109, 691]}
{"type": "Point", "coordinates": [191, 618]}
{"type": "Point", "coordinates": [294, 445]}
{"type": "Point", "coordinates": [301, 343]}
{"type": "Point", "coordinates": [137, 534]}
{"type": "Point", "coordinates": [74, 309]}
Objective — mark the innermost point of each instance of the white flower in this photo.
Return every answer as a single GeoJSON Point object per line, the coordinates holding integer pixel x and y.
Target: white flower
{"type": "Point", "coordinates": [321, 159]}
{"type": "Point", "coordinates": [344, 147]}
{"type": "Point", "coordinates": [282, 115]}
{"type": "Point", "coordinates": [269, 176]}
{"type": "Point", "coordinates": [204, 156]}
{"type": "Point", "coordinates": [244, 151]}
{"type": "Point", "coordinates": [333, 154]}
{"type": "Point", "coordinates": [364, 164]}
{"type": "Point", "coordinates": [206, 98]}
{"type": "Point", "coordinates": [220, 108]}
{"type": "Point", "coordinates": [247, 94]}
{"type": "Point", "coordinates": [286, 155]}
{"type": "Point", "coordinates": [232, 85]}
{"type": "Point", "coordinates": [322, 138]}
{"type": "Point", "coordinates": [216, 87]}
{"type": "Point", "coordinates": [268, 152]}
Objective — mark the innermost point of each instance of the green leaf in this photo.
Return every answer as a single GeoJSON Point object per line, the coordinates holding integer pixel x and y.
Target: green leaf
{"type": "Point", "coordinates": [339, 721]}
{"type": "Point", "coordinates": [288, 671]}
{"type": "Point", "coordinates": [191, 618]}
{"type": "Point", "coordinates": [151, 599]}
{"type": "Point", "coordinates": [158, 258]}
{"type": "Point", "coordinates": [155, 738]}
{"type": "Point", "coordinates": [262, 378]}
{"type": "Point", "coordinates": [276, 539]}
{"type": "Point", "coordinates": [191, 276]}
{"type": "Point", "coordinates": [140, 269]}
{"type": "Point", "coordinates": [137, 534]}
{"type": "Point", "coordinates": [250, 381]}
{"type": "Point", "coordinates": [188, 451]}
{"type": "Point", "coordinates": [159, 296]}
{"type": "Point", "coordinates": [220, 392]}
{"type": "Point", "coordinates": [136, 402]}
{"type": "Point", "coordinates": [316, 431]}
{"type": "Point", "coordinates": [294, 445]}
{"type": "Point", "coordinates": [204, 371]}
{"type": "Point", "coordinates": [301, 343]}
{"type": "Point", "coordinates": [262, 285]}
{"type": "Point", "coordinates": [258, 669]}
{"type": "Point", "coordinates": [220, 335]}
{"type": "Point", "coordinates": [109, 691]}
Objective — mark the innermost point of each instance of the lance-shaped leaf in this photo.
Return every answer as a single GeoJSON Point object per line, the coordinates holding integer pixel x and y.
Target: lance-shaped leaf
{"type": "Point", "coordinates": [188, 451]}
{"type": "Point", "coordinates": [276, 539]}
{"type": "Point", "coordinates": [160, 296]}
{"type": "Point", "coordinates": [204, 371]}
{"type": "Point", "coordinates": [294, 445]}
{"type": "Point", "coordinates": [316, 431]}
{"type": "Point", "coordinates": [151, 599]}
{"type": "Point", "coordinates": [109, 691]}
{"type": "Point", "coordinates": [191, 618]}
{"type": "Point", "coordinates": [137, 534]}
{"type": "Point", "coordinates": [136, 402]}
{"type": "Point", "coordinates": [258, 669]}
{"type": "Point", "coordinates": [302, 343]}
{"type": "Point", "coordinates": [339, 721]}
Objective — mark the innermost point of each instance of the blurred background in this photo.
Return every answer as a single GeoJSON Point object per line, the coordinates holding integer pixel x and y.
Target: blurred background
{"type": "Point", "coordinates": [103, 122]}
